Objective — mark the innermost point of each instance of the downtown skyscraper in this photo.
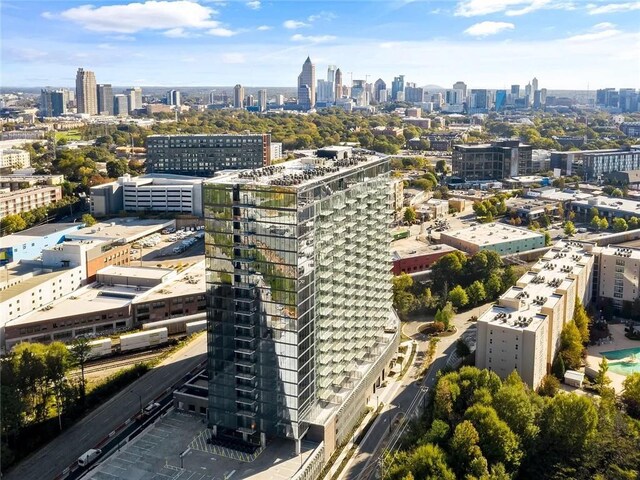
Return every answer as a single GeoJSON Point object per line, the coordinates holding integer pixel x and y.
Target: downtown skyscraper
{"type": "Point", "coordinates": [86, 92]}
{"type": "Point", "coordinates": [307, 85]}
{"type": "Point", "coordinates": [300, 322]}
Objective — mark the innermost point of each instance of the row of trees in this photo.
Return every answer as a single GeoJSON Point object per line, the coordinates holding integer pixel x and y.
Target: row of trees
{"type": "Point", "coordinates": [479, 427]}
{"type": "Point", "coordinates": [458, 279]}
{"type": "Point", "coordinates": [487, 210]}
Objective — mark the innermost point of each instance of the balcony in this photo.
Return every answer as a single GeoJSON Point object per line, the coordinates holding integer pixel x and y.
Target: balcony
{"type": "Point", "coordinates": [245, 376]}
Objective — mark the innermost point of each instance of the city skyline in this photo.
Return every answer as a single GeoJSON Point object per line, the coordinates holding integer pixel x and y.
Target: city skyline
{"type": "Point", "coordinates": [488, 44]}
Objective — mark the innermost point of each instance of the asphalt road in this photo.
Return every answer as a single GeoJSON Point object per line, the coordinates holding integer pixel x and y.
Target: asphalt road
{"type": "Point", "coordinates": [50, 461]}
{"type": "Point", "coordinates": [403, 395]}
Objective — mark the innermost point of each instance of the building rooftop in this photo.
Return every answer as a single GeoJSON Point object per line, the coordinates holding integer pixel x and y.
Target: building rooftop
{"type": "Point", "coordinates": [556, 195]}
{"type": "Point", "coordinates": [521, 306]}
{"type": "Point", "coordinates": [126, 272]}
{"type": "Point", "coordinates": [621, 251]}
{"type": "Point", "coordinates": [611, 204]}
{"type": "Point", "coordinates": [190, 281]}
{"type": "Point", "coordinates": [123, 229]}
{"type": "Point", "coordinates": [37, 277]}
{"type": "Point", "coordinates": [203, 135]}
{"type": "Point", "coordinates": [407, 248]}
{"type": "Point", "coordinates": [300, 172]}
{"type": "Point", "coordinates": [39, 231]}
{"type": "Point", "coordinates": [492, 233]}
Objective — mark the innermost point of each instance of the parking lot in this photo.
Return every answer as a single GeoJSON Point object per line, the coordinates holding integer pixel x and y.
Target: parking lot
{"type": "Point", "coordinates": [165, 249]}
{"type": "Point", "coordinates": [174, 448]}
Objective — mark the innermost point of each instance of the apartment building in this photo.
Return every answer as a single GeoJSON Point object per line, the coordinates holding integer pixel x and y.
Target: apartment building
{"type": "Point", "coordinates": [522, 331]}
{"type": "Point", "coordinates": [618, 275]}
{"type": "Point", "coordinates": [300, 323]}
{"type": "Point", "coordinates": [13, 159]}
{"type": "Point", "coordinates": [595, 164]}
{"type": "Point", "coordinates": [203, 155]}
{"type": "Point", "coordinates": [27, 199]}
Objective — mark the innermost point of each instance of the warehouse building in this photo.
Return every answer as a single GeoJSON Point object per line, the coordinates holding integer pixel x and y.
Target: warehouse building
{"type": "Point", "coordinates": [498, 237]}
{"type": "Point", "coordinates": [28, 244]}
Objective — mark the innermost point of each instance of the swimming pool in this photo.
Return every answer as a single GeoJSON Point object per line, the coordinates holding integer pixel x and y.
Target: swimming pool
{"type": "Point", "coordinates": [624, 362]}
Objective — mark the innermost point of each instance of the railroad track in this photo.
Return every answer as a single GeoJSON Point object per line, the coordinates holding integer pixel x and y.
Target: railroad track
{"type": "Point", "coordinates": [121, 361]}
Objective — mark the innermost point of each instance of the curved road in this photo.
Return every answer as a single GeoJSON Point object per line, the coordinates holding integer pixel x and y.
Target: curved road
{"type": "Point", "coordinates": [50, 461]}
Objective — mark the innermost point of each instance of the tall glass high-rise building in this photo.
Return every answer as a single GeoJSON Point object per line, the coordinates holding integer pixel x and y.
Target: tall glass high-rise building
{"type": "Point", "coordinates": [300, 323]}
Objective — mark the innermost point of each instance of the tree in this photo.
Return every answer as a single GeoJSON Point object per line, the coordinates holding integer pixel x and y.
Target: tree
{"type": "Point", "coordinates": [567, 423]}
{"type": "Point", "coordinates": [620, 225]}
{"type": "Point", "coordinates": [581, 319]}
{"type": "Point", "coordinates": [465, 452]}
{"type": "Point", "coordinates": [593, 213]}
{"type": "Point", "coordinates": [476, 293]}
{"type": "Point", "coordinates": [493, 287]}
{"type": "Point", "coordinates": [497, 441]}
{"type": "Point", "coordinates": [117, 168]}
{"type": "Point", "coordinates": [604, 224]}
{"type": "Point", "coordinates": [549, 385]}
{"type": "Point", "coordinates": [88, 220]}
{"type": "Point", "coordinates": [11, 224]}
{"type": "Point", "coordinates": [80, 351]}
{"type": "Point", "coordinates": [441, 166]}
{"type": "Point", "coordinates": [410, 215]}
{"type": "Point", "coordinates": [616, 192]}
{"type": "Point", "coordinates": [547, 239]}
{"type": "Point", "coordinates": [445, 314]}
{"type": "Point", "coordinates": [595, 223]}
{"type": "Point", "coordinates": [602, 380]}
{"type": "Point", "coordinates": [569, 228]}
{"type": "Point", "coordinates": [571, 346]}
{"type": "Point", "coordinates": [513, 404]}
{"type": "Point", "coordinates": [558, 368]}
{"type": "Point", "coordinates": [462, 349]}
{"type": "Point", "coordinates": [458, 297]}
{"type": "Point", "coordinates": [631, 394]}
{"type": "Point", "coordinates": [429, 462]}
{"type": "Point", "coordinates": [57, 363]}
{"type": "Point", "coordinates": [633, 223]}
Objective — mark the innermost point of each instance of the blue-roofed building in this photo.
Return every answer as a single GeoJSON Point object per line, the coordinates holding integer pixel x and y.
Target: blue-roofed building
{"type": "Point", "coordinates": [28, 244]}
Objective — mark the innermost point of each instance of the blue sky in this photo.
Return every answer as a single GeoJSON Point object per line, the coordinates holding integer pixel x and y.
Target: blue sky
{"type": "Point", "coordinates": [566, 44]}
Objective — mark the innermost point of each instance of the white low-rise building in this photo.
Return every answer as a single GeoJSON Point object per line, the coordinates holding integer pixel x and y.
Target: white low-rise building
{"type": "Point", "coordinates": [522, 331]}
{"type": "Point", "coordinates": [13, 158]}
{"type": "Point", "coordinates": [497, 237]}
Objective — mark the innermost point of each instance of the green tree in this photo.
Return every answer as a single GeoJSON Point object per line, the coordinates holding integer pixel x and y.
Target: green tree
{"type": "Point", "coordinates": [476, 293]}
{"type": "Point", "coordinates": [567, 423]}
{"type": "Point", "coordinates": [569, 228]}
{"type": "Point", "coordinates": [117, 168]}
{"type": "Point", "coordinates": [441, 166]}
{"type": "Point", "coordinates": [604, 223]}
{"type": "Point", "coordinates": [11, 224]}
{"type": "Point", "coordinates": [80, 351]}
{"type": "Point", "coordinates": [581, 319]}
{"type": "Point", "coordinates": [549, 385]}
{"type": "Point", "coordinates": [410, 215]}
{"type": "Point", "coordinates": [497, 441]}
{"type": "Point", "coordinates": [620, 225]}
{"type": "Point", "coordinates": [633, 223]}
{"type": "Point", "coordinates": [447, 270]}
{"type": "Point", "coordinates": [595, 223]}
{"type": "Point", "coordinates": [513, 404]}
{"type": "Point", "coordinates": [631, 394]}
{"type": "Point", "coordinates": [558, 367]}
{"type": "Point", "coordinates": [458, 297]}
{"type": "Point", "coordinates": [465, 452]}
{"type": "Point", "coordinates": [616, 192]}
{"type": "Point", "coordinates": [57, 363]}
{"type": "Point", "coordinates": [445, 398]}
{"type": "Point", "coordinates": [602, 380]}
{"type": "Point", "coordinates": [593, 213]}
{"type": "Point", "coordinates": [571, 346]}
{"type": "Point", "coordinates": [445, 315]}
{"type": "Point", "coordinates": [493, 287]}
{"type": "Point", "coordinates": [547, 239]}
{"type": "Point", "coordinates": [88, 220]}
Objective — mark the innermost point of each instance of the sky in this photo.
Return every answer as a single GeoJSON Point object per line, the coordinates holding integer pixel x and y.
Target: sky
{"type": "Point", "coordinates": [566, 44]}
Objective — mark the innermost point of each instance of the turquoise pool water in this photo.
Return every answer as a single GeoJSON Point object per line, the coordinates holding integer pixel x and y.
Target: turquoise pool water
{"type": "Point", "coordinates": [624, 362]}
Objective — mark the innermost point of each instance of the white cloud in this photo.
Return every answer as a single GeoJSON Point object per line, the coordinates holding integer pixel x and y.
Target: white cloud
{"type": "Point", "coordinates": [234, 58]}
{"type": "Point", "coordinates": [312, 38]}
{"type": "Point", "coordinates": [294, 24]}
{"type": "Point", "coordinates": [321, 16]}
{"type": "Point", "coordinates": [135, 17]}
{"type": "Point", "coordinates": [264, 28]}
{"type": "Point", "coordinates": [122, 38]}
{"type": "Point", "coordinates": [598, 32]}
{"type": "Point", "coordinates": [484, 29]}
{"type": "Point", "coordinates": [254, 5]}
{"type": "Point", "coordinates": [511, 8]}
{"type": "Point", "coordinates": [221, 32]}
{"type": "Point", "coordinates": [594, 9]}
{"type": "Point", "coordinates": [176, 33]}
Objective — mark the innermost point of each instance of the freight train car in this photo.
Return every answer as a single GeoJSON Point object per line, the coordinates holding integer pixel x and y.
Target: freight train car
{"type": "Point", "coordinates": [198, 326]}
{"type": "Point", "coordinates": [175, 326]}
{"type": "Point", "coordinates": [145, 339]}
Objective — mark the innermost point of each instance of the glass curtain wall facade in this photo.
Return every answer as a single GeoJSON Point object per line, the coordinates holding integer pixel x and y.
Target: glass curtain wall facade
{"type": "Point", "coordinates": [299, 293]}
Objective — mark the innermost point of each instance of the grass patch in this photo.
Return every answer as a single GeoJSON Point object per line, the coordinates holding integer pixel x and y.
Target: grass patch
{"type": "Point", "coordinates": [409, 363]}
{"type": "Point", "coordinates": [69, 135]}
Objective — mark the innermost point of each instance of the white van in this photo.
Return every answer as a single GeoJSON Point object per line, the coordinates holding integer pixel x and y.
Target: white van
{"type": "Point", "coordinates": [88, 457]}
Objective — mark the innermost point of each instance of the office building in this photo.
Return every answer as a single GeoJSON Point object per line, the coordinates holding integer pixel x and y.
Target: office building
{"type": "Point", "coordinates": [537, 99]}
{"type": "Point", "coordinates": [53, 103]}
{"type": "Point", "coordinates": [496, 237]}
{"type": "Point", "coordinates": [595, 164]}
{"type": "Point", "coordinates": [120, 105]}
{"type": "Point", "coordinates": [134, 95]}
{"type": "Point", "coordinates": [262, 100]}
{"type": "Point", "coordinates": [397, 87]}
{"type": "Point", "coordinates": [13, 159]}
{"type": "Point", "coordinates": [203, 155]}
{"type": "Point", "coordinates": [378, 86]}
{"type": "Point", "coordinates": [462, 87]}
{"type": "Point", "coordinates": [105, 99]}
{"type": "Point", "coordinates": [148, 193]}
{"type": "Point", "coordinates": [515, 91]}
{"type": "Point", "coordinates": [479, 101]}
{"type": "Point", "coordinates": [494, 161]}
{"type": "Point", "coordinates": [27, 199]}
{"type": "Point", "coordinates": [534, 84]}
{"type": "Point", "coordinates": [86, 92]}
{"type": "Point", "coordinates": [238, 96]}
{"type": "Point", "coordinates": [324, 91]}
{"type": "Point", "coordinates": [608, 207]}
{"type": "Point", "coordinates": [307, 85]}
{"type": "Point", "coordinates": [522, 332]}
{"type": "Point", "coordinates": [338, 85]}
{"type": "Point", "coordinates": [413, 94]}
{"type": "Point", "coordinates": [299, 298]}
{"type": "Point", "coordinates": [173, 98]}
{"type": "Point", "coordinates": [630, 129]}
{"type": "Point", "coordinates": [249, 101]}
{"type": "Point", "coordinates": [501, 100]}
{"type": "Point", "coordinates": [628, 100]}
